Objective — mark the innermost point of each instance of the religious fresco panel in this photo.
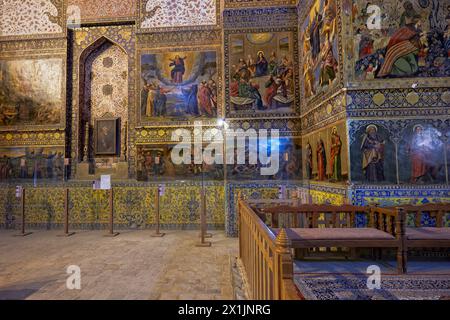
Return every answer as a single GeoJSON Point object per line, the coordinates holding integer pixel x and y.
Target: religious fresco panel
{"type": "Point", "coordinates": [400, 39]}
{"type": "Point", "coordinates": [399, 152]}
{"type": "Point", "coordinates": [179, 85]}
{"type": "Point", "coordinates": [32, 92]}
{"type": "Point", "coordinates": [325, 156]}
{"type": "Point", "coordinates": [289, 162]}
{"type": "Point", "coordinates": [373, 156]}
{"type": "Point", "coordinates": [320, 49]}
{"type": "Point", "coordinates": [421, 155]}
{"type": "Point", "coordinates": [261, 74]}
{"type": "Point", "coordinates": [31, 163]}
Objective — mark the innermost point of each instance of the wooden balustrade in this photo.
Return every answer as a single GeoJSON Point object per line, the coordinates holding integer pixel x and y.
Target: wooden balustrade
{"type": "Point", "coordinates": [267, 259]}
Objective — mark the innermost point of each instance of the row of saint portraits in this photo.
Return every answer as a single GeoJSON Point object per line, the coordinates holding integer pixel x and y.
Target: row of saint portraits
{"type": "Point", "coordinates": [420, 157]}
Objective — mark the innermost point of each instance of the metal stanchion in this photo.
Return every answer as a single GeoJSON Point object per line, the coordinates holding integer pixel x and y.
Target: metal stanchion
{"type": "Point", "coordinates": [158, 234]}
{"type": "Point", "coordinates": [66, 216]}
{"type": "Point", "coordinates": [23, 233]}
{"type": "Point", "coordinates": [111, 215]}
{"type": "Point", "coordinates": [203, 243]}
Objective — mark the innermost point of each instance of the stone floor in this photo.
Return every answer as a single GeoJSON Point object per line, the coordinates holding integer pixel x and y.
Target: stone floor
{"type": "Point", "coordinates": [130, 266]}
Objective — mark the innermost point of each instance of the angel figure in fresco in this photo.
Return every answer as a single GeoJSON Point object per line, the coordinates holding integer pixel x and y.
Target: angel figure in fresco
{"type": "Point", "coordinates": [372, 148]}
{"type": "Point", "coordinates": [178, 69]}
{"type": "Point", "coordinates": [336, 147]}
{"type": "Point", "coordinates": [321, 160]}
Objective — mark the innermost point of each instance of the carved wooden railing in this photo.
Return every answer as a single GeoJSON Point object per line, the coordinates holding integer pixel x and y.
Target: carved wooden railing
{"type": "Point", "coordinates": [267, 260]}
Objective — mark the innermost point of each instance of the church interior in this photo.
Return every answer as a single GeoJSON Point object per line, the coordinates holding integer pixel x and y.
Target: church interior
{"type": "Point", "coordinates": [224, 149]}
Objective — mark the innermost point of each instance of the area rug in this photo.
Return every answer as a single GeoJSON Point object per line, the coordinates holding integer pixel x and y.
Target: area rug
{"type": "Point", "coordinates": [354, 287]}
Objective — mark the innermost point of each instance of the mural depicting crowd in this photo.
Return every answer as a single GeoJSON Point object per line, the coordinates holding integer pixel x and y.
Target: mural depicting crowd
{"type": "Point", "coordinates": [38, 163]}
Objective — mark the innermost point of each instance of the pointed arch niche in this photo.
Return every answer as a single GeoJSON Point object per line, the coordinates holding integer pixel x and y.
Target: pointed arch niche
{"type": "Point", "coordinates": [103, 94]}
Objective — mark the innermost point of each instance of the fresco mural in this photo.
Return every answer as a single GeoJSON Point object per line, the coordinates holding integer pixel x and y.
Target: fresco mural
{"type": "Point", "coordinates": [320, 48]}
{"type": "Point", "coordinates": [179, 85]}
{"type": "Point", "coordinates": [261, 73]}
{"type": "Point", "coordinates": [325, 156]}
{"type": "Point", "coordinates": [154, 163]}
{"type": "Point", "coordinates": [290, 155]}
{"type": "Point", "coordinates": [31, 92]}
{"type": "Point", "coordinates": [413, 39]}
{"type": "Point", "coordinates": [421, 154]}
{"type": "Point", "coordinates": [31, 163]}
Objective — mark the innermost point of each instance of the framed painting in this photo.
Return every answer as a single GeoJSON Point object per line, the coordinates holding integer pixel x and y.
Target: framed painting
{"type": "Point", "coordinates": [106, 136]}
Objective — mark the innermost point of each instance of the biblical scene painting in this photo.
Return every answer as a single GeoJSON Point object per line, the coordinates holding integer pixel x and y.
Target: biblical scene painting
{"type": "Point", "coordinates": [106, 136]}
{"type": "Point", "coordinates": [325, 155]}
{"type": "Point", "coordinates": [31, 92]}
{"type": "Point", "coordinates": [289, 162]}
{"type": "Point", "coordinates": [412, 39]}
{"type": "Point", "coordinates": [320, 48]}
{"type": "Point", "coordinates": [421, 155]}
{"type": "Point", "coordinates": [261, 74]}
{"type": "Point", "coordinates": [179, 85]}
{"type": "Point", "coordinates": [31, 163]}
{"type": "Point", "coordinates": [154, 162]}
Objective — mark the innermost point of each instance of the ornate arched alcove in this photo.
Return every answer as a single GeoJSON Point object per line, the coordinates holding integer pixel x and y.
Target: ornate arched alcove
{"type": "Point", "coordinates": [103, 109]}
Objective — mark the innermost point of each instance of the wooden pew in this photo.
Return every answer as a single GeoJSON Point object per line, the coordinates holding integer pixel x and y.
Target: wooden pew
{"type": "Point", "coordinates": [420, 236]}
{"type": "Point", "coordinates": [385, 227]}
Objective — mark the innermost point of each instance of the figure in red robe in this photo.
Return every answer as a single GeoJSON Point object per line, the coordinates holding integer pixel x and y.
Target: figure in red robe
{"type": "Point", "coordinates": [205, 99]}
{"type": "Point", "coordinates": [178, 69]}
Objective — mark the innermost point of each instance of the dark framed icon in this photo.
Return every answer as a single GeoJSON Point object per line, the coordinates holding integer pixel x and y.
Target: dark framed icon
{"type": "Point", "coordinates": [107, 136]}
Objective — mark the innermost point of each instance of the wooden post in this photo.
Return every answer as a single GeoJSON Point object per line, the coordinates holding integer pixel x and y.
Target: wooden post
{"type": "Point", "coordinates": [158, 234]}
{"type": "Point", "coordinates": [23, 233]}
{"type": "Point", "coordinates": [203, 243]}
{"type": "Point", "coordinates": [111, 215]}
{"type": "Point", "coordinates": [66, 216]}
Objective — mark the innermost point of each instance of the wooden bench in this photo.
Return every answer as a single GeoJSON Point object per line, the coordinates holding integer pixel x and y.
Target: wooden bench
{"type": "Point", "coordinates": [420, 236]}
{"type": "Point", "coordinates": [314, 226]}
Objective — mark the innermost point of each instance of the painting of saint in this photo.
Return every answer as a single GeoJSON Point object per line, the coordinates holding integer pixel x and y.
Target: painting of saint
{"type": "Point", "coordinates": [421, 151]}
{"type": "Point", "coordinates": [335, 155]}
{"type": "Point", "coordinates": [309, 161]}
{"type": "Point", "coordinates": [106, 136]}
{"type": "Point", "coordinates": [266, 83]}
{"type": "Point", "coordinates": [412, 41]}
{"type": "Point", "coordinates": [373, 155]}
{"type": "Point", "coordinates": [178, 85]}
{"type": "Point", "coordinates": [321, 161]}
